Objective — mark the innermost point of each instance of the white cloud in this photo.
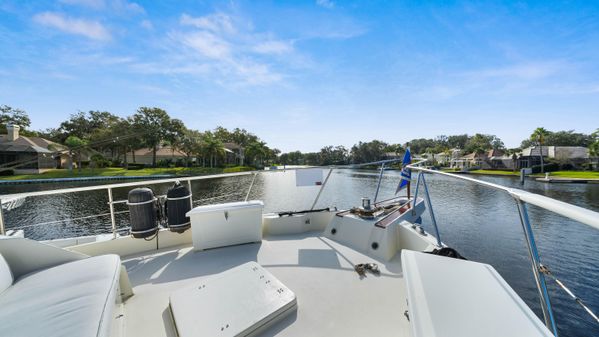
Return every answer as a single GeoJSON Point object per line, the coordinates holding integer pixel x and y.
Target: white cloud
{"type": "Point", "coordinates": [524, 71]}
{"type": "Point", "coordinates": [120, 6]}
{"type": "Point", "coordinates": [217, 22]}
{"type": "Point", "coordinates": [147, 24]}
{"type": "Point", "coordinates": [95, 4]}
{"type": "Point", "coordinates": [227, 50]}
{"type": "Point", "coordinates": [325, 3]}
{"type": "Point", "coordinates": [91, 29]}
{"type": "Point", "coordinates": [273, 47]}
{"type": "Point", "coordinates": [207, 44]}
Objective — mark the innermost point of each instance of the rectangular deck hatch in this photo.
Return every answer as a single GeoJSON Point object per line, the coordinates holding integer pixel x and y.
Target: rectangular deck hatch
{"type": "Point", "coordinates": [238, 302]}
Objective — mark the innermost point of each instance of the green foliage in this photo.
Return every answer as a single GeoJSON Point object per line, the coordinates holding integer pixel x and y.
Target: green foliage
{"type": "Point", "coordinates": [368, 152]}
{"type": "Point", "coordinates": [550, 167]}
{"type": "Point", "coordinates": [74, 142]}
{"type": "Point", "coordinates": [99, 161]}
{"type": "Point", "coordinates": [238, 169]}
{"type": "Point", "coordinates": [558, 138]}
{"type": "Point", "coordinates": [594, 144]}
{"type": "Point", "coordinates": [9, 115]}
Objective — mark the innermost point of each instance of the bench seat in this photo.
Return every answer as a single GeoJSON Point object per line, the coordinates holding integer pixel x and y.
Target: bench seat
{"type": "Point", "coordinates": [72, 299]}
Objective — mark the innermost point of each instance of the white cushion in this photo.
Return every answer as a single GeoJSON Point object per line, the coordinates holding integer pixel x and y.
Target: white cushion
{"type": "Point", "coordinates": [72, 299]}
{"type": "Point", "coordinates": [458, 298]}
{"type": "Point", "coordinates": [5, 275]}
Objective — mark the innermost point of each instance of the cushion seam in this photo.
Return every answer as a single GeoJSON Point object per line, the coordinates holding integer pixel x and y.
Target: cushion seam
{"type": "Point", "coordinates": [117, 271]}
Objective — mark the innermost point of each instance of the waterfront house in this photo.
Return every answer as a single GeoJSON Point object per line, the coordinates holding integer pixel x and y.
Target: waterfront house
{"type": "Point", "coordinates": [234, 154]}
{"type": "Point", "coordinates": [29, 154]}
{"type": "Point", "coordinates": [563, 155]}
{"type": "Point", "coordinates": [165, 152]}
{"type": "Point", "coordinates": [493, 159]}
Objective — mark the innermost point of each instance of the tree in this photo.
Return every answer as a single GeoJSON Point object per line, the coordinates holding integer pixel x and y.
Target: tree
{"type": "Point", "coordinates": [457, 141]}
{"type": "Point", "coordinates": [594, 146]}
{"type": "Point", "coordinates": [154, 126]}
{"type": "Point", "coordinates": [212, 147]}
{"type": "Point", "coordinates": [538, 136]}
{"type": "Point", "coordinates": [9, 115]}
{"type": "Point", "coordinates": [368, 152]}
{"type": "Point", "coordinates": [330, 155]}
{"type": "Point", "coordinates": [255, 152]}
{"type": "Point", "coordinates": [75, 144]}
{"type": "Point", "coordinates": [480, 143]}
{"type": "Point", "coordinates": [191, 143]}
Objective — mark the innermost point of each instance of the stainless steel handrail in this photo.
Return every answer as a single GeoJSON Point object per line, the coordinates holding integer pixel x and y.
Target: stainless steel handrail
{"type": "Point", "coordinates": [585, 216]}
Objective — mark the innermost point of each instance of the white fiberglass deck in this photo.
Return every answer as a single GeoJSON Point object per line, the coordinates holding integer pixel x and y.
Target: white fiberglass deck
{"type": "Point", "coordinates": [332, 299]}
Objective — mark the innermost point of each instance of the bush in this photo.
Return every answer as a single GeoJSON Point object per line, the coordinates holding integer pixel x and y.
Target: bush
{"type": "Point", "coordinates": [115, 163]}
{"type": "Point", "coordinates": [164, 163]}
{"type": "Point", "coordinates": [135, 166]}
{"type": "Point", "coordinates": [238, 169]}
{"type": "Point", "coordinates": [7, 172]}
{"type": "Point", "coordinates": [99, 161]}
{"type": "Point", "coordinates": [551, 167]}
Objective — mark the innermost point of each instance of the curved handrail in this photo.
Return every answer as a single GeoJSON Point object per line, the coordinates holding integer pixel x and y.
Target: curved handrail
{"type": "Point", "coordinates": [583, 215]}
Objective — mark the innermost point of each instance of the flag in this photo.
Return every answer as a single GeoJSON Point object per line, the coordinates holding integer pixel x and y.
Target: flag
{"type": "Point", "coordinates": [406, 174]}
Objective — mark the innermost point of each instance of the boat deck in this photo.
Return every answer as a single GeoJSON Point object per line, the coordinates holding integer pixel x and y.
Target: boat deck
{"type": "Point", "coordinates": [333, 300]}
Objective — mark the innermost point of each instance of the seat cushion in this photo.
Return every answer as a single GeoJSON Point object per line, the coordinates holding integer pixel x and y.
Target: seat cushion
{"type": "Point", "coordinates": [5, 275]}
{"type": "Point", "coordinates": [72, 299]}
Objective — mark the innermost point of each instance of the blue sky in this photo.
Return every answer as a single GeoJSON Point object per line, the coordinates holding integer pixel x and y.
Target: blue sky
{"type": "Point", "coordinates": [303, 75]}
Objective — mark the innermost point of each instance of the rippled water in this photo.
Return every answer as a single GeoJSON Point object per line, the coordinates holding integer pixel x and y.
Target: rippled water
{"type": "Point", "coordinates": [482, 224]}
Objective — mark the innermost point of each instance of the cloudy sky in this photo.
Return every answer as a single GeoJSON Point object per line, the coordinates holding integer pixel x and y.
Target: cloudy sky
{"type": "Point", "coordinates": [302, 75]}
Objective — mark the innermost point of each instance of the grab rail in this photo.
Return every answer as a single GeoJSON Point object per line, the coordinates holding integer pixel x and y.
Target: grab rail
{"type": "Point", "coordinates": [585, 216]}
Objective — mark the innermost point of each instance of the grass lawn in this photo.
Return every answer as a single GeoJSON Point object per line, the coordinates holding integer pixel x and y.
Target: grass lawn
{"type": "Point", "coordinates": [495, 172]}
{"type": "Point", "coordinates": [488, 172]}
{"type": "Point", "coordinates": [115, 171]}
{"type": "Point", "coordinates": [560, 174]}
{"type": "Point", "coordinates": [572, 174]}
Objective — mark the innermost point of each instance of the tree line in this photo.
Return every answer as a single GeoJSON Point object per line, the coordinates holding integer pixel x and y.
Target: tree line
{"type": "Point", "coordinates": [152, 127]}
{"type": "Point", "coordinates": [149, 127]}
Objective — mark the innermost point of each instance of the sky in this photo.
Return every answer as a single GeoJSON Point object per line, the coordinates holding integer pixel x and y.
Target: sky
{"type": "Point", "coordinates": [305, 74]}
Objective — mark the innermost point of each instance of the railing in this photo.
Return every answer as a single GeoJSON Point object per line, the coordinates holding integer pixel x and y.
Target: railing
{"type": "Point", "coordinates": [521, 198]}
{"type": "Point", "coordinates": [109, 188]}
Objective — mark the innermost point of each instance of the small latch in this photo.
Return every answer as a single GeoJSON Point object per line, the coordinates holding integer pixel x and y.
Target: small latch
{"type": "Point", "coordinates": [226, 215]}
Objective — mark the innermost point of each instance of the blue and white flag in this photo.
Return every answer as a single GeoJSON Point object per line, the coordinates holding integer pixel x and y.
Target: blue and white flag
{"type": "Point", "coordinates": [406, 174]}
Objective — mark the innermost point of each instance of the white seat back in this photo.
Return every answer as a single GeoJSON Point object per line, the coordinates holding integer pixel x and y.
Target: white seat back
{"type": "Point", "coordinates": [6, 278]}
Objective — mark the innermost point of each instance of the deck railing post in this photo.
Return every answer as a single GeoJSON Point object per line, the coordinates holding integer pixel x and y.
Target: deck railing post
{"type": "Point", "coordinates": [416, 193]}
{"type": "Point", "coordinates": [430, 211]}
{"type": "Point", "coordinates": [536, 265]}
{"type": "Point", "coordinates": [190, 193]}
{"type": "Point", "coordinates": [247, 195]}
{"type": "Point", "coordinates": [2, 229]}
{"type": "Point", "coordinates": [112, 217]}
{"type": "Point", "coordinates": [378, 186]}
{"type": "Point", "coordinates": [321, 188]}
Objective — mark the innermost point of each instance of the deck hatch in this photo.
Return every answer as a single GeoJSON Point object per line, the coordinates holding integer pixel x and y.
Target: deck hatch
{"type": "Point", "coordinates": [238, 302]}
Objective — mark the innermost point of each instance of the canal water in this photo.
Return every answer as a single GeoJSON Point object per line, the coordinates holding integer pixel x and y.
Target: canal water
{"type": "Point", "coordinates": [482, 224]}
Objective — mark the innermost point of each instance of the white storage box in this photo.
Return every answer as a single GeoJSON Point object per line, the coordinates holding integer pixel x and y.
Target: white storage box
{"type": "Point", "coordinates": [226, 224]}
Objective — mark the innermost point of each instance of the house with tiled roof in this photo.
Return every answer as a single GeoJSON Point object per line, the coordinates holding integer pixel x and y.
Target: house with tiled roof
{"type": "Point", "coordinates": [26, 154]}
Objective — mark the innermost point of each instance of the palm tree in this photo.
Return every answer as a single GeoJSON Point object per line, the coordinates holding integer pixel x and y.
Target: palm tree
{"type": "Point", "coordinates": [538, 136]}
{"type": "Point", "coordinates": [212, 147]}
